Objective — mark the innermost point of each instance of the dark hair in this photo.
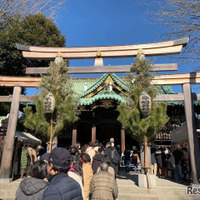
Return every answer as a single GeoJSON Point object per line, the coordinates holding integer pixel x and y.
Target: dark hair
{"type": "Point", "coordinates": [73, 150]}
{"type": "Point", "coordinates": [39, 169]}
{"type": "Point", "coordinates": [100, 150]}
{"type": "Point", "coordinates": [78, 169]}
{"type": "Point", "coordinates": [105, 159]}
{"type": "Point", "coordinates": [83, 149]}
{"type": "Point", "coordinates": [85, 157]}
{"type": "Point", "coordinates": [64, 168]}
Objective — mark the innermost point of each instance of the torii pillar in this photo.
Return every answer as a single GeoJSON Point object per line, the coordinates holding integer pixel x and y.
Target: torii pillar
{"type": "Point", "coordinates": [192, 133]}
{"type": "Point", "coordinates": [6, 162]}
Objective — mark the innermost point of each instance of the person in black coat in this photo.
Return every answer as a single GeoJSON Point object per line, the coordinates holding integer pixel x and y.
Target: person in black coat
{"type": "Point", "coordinates": [114, 157]}
{"type": "Point", "coordinates": [127, 158]}
{"type": "Point", "coordinates": [97, 160]}
{"type": "Point", "coordinates": [61, 186]}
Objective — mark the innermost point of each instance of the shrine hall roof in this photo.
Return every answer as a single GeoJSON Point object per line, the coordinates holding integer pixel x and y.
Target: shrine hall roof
{"type": "Point", "coordinates": [97, 89]}
{"type": "Point", "coordinates": [93, 84]}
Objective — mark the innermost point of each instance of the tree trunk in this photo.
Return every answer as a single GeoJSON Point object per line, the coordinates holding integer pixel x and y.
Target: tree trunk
{"type": "Point", "coordinates": [51, 134]}
{"type": "Point", "coordinates": [146, 163]}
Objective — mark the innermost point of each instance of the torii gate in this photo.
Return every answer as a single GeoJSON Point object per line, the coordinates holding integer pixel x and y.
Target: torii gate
{"type": "Point", "coordinates": [98, 53]}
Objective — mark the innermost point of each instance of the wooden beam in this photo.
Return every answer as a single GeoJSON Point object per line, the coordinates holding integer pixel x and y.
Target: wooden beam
{"type": "Point", "coordinates": [22, 98]}
{"type": "Point", "coordinates": [149, 49]}
{"type": "Point", "coordinates": [176, 79]}
{"type": "Point", "coordinates": [11, 81]}
{"type": "Point", "coordinates": [180, 41]}
{"type": "Point", "coordinates": [175, 97]}
{"type": "Point", "coordinates": [102, 69]}
{"type": "Point", "coordinates": [168, 79]}
{"type": "Point", "coordinates": [104, 54]}
{"type": "Point", "coordinates": [159, 97]}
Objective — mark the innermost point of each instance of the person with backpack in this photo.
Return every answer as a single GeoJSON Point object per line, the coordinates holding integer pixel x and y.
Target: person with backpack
{"type": "Point", "coordinates": [112, 153]}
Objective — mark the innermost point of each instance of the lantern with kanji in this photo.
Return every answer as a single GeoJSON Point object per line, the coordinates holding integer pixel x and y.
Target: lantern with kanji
{"type": "Point", "coordinates": [145, 104]}
{"type": "Point", "coordinates": [49, 103]}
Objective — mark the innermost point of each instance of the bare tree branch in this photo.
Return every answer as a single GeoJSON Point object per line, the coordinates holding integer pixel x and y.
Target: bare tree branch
{"type": "Point", "coordinates": [182, 18]}
{"type": "Point", "coordinates": [8, 8]}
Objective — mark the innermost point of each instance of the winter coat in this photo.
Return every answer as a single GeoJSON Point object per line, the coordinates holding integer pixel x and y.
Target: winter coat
{"type": "Point", "coordinates": [24, 158]}
{"type": "Point", "coordinates": [63, 187]}
{"type": "Point", "coordinates": [91, 152]}
{"type": "Point", "coordinates": [177, 156]}
{"type": "Point", "coordinates": [161, 159]}
{"type": "Point", "coordinates": [103, 186]}
{"type": "Point", "coordinates": [153, 158]}
{"type": "Point", "coordinates": [96, 162]}
{"type": "Point", "coordinates": [31, 189]}
{"type": "Point", "coordinates": [87, 177]}
{"type": "Point", "coordinates": [108, 152]}
{"type": "Point", "coordinates": [77, 178]}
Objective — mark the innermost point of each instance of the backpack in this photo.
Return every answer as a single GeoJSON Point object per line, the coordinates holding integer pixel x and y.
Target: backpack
{"type": "Point", "coordinates": [115, 158]}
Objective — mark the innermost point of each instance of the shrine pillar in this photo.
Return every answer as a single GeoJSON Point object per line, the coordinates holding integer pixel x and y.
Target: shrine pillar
{"type": "Point", "coordinates": [192, 133]}
{"type": "Point", "coordinates": [122, 140]}
{"type": "Point", "coordinates": [74, 136]}
{"type": "Point", "coordinates": [6, 162]}
{"type": "Point", "coordinates": [93, 133]}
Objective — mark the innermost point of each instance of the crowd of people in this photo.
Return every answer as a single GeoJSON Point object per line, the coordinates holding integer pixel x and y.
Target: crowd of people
{"type": "Point", "coordinates": [87, 172]}
{"type": "Point", "coordinates": [166, 162]}
{"type": "Point", "coordinates": [172, 162]}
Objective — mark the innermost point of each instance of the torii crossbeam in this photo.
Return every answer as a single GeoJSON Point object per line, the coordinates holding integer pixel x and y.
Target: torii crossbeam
{"type": "Point", "coordinates": [150, 49]}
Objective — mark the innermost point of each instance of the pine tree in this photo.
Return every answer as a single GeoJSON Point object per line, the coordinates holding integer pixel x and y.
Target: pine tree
{"type": "Point", "coordinates": [140, 127]}
{"type": "Point", "coordinates": [58, 82]}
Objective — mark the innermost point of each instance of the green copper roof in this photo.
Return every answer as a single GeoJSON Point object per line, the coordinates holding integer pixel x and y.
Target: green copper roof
{"type": "Point", "coordinates": [101, 80]}
{"type": "Point", "coordinates": [79, 85]}
{"type": "Point", "coordinates": [103, 94]}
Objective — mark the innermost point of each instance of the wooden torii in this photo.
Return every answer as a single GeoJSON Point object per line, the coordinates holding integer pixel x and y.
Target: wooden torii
{"type": "Point", "coordinates": [98, 53]}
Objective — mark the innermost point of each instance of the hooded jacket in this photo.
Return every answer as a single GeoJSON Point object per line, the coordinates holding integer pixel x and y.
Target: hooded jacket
{"type": "Point", "coordinates": [31, 189]}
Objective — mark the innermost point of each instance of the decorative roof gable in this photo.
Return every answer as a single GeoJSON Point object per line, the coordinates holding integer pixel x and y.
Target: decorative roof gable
{"type": "Point", "coordinates": [104, 81]}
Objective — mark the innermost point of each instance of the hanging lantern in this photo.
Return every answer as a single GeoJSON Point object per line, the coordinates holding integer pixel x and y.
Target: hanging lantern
{"type": "Point", "coordinates": [145, 103]}
{"type": "Point", "coordinates": [49, 103]}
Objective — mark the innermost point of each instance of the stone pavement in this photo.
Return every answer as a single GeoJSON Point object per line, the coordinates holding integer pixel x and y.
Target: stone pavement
{"type": "Point", "coordinates": [165, 190]}
{"type": "Point", "coordinates": [128, 190]}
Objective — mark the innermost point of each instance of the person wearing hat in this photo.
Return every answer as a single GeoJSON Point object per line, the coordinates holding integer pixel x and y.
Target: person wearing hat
{"type": "Point", "coordinates": [61, 186]}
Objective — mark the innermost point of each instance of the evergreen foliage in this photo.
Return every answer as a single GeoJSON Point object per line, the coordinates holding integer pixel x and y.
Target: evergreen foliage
{"type": "Point", "coordinates": [58, 82]}
{"type": "Point", "coordinates": [31, 30]}
{"type": "Point", "coordinates": [130, 115]}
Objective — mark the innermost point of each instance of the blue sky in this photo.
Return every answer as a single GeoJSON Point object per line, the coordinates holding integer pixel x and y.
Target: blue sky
{"type": "Point", "coordinates": [112, 22]}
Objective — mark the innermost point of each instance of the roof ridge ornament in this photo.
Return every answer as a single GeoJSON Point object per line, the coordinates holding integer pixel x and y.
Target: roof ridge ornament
{"type": "Point", "coordinates": [58, 59]}
{"type": "Point", "coordinates": [140, 54]}
{"type": "Point", "coordinates": [98, 53]}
